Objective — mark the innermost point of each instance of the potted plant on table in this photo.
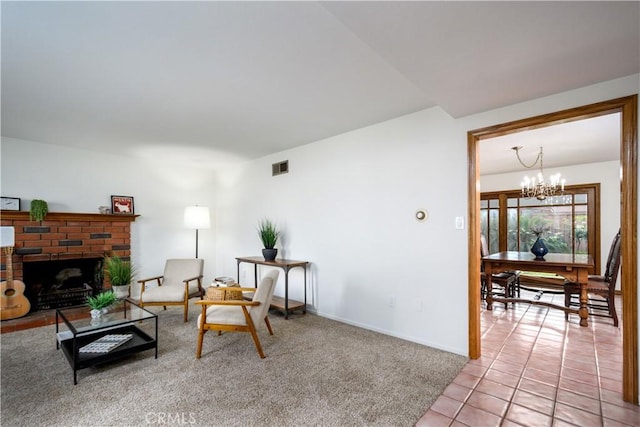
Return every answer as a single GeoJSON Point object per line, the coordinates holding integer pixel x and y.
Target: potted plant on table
{"type": "Point", "coordinates": [269, 234]}
{"type": "Point", "coordinates": [100, 302]}
{"type": "Point", "coordinates": [120, 274]}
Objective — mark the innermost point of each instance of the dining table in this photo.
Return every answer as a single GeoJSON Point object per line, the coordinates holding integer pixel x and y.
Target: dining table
{"type": "Point", "coordinates": [573, 267]}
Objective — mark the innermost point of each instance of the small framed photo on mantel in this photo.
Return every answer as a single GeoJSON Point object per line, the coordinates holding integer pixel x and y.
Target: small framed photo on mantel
{"type": "Point", "coordinates": [10, 204]}
{"type": "Point", "coordinates": [122, 205]}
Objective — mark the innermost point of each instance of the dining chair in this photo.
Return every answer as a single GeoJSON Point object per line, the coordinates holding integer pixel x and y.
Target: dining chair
{"type": "Point", "coordinates": [508, 282]}
{"type": "Point", "coordinates": [601, 289]}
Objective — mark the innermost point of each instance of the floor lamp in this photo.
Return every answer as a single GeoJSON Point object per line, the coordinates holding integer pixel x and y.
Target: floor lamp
{"type": "Point", "coordinates": [196, 217]}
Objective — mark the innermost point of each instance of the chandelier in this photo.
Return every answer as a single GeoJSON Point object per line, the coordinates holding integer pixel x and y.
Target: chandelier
{"type": "Point", "coordinates": [537, 186]}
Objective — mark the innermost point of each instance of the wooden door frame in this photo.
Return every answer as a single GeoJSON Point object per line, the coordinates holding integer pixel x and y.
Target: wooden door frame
{"type": "Point", "coordinates": [628, 107]}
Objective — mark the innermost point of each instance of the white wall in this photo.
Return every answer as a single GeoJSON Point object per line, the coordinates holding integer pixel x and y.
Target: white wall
{"type": "Point", "coordinates": [73, 180]}
{"type": "Point", "coordinates": [347, 206]}
{"type": "Point", "coordinates": [605, 173]}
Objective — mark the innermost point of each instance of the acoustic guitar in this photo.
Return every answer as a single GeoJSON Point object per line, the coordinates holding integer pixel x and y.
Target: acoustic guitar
{"type": "Point", "coordinates": [13, 303]}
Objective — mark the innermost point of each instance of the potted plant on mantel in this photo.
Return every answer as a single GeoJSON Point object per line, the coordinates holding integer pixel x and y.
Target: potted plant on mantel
{"type": "Point", "coordinates": [269, 234]}
{"type": "Point", "coordinates": [38, 210]}
{"type": "Point", "coordinates": [120, 274]}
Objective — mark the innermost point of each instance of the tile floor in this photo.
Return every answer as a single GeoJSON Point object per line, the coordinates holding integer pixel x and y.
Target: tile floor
{"type": "Point", "coordinates": [538, 370]}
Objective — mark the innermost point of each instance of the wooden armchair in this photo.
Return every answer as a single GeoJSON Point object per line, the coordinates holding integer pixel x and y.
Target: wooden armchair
{"type": "Point", "coordinates": [181, 280]}
{"type": "Point", "coordinates": [239, 315]}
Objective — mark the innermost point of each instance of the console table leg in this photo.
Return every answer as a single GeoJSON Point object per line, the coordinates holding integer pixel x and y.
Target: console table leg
{"type": "Point", "coordinates": [304, 310]}
{"type": "Point", "coordinates": [286, 293]}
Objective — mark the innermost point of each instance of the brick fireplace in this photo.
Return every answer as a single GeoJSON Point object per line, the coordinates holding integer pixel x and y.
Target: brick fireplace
{"type": "Point", "coordinates": [65, 236]}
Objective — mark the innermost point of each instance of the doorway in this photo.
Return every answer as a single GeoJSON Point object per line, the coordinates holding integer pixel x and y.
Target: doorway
{"type": "Point", "coordinates": [627, 106]}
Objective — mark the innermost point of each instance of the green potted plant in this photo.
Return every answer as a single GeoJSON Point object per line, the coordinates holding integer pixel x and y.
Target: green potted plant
{"type": "Point", "coordinates": [100, 302]}
{"type": "Point", "coordinates": [269, 234]}
{"type": "Point", "coordinates": [120, 274]}
{"type": "Point", "coordinates": [38, 210]}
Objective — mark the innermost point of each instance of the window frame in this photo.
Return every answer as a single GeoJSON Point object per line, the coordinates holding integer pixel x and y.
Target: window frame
{"type": "Point", "coordinates": [593, 214]}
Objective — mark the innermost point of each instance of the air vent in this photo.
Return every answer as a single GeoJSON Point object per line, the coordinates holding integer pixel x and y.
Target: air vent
{"type": "Point", "coordinates": [280, 168]}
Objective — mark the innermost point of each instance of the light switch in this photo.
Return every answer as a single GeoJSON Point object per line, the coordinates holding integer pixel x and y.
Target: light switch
{"type": "Point", "coordinates": [459, 223]}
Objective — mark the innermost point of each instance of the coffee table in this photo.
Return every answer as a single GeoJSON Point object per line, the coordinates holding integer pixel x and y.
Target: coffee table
{"type": "Point", "coordinates": [122, 318]}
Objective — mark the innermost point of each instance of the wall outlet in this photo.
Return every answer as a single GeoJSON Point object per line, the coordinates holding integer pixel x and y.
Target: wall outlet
{"type": "Point", "coordinates": [459, 223]}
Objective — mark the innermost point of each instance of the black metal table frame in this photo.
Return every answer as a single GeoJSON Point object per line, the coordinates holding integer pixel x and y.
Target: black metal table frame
{"type": "Point", "coordinates": [72, 352]}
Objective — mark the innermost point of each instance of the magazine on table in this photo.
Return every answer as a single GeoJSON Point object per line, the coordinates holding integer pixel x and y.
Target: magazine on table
{"type": "Point", "coordinates": [106, 343]}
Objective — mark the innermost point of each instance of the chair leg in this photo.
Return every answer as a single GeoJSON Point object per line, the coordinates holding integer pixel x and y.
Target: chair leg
{"type": "Point", "coordinates": [567, 302]}
{"type": "Point", "coordinates": [186, 311]}
{"type": "Point", "coordinates": [266, 320]}
{"type": "Point", "coordinates": [257, 342]}
{"type": "Point", "coordinates": [252, 330]}
{"type": "Point", "coordinates": [200, 338]}
{"type": "Point", "coordinates": [612, 311]}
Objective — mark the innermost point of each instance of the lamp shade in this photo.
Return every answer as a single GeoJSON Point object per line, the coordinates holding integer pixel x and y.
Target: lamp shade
{"type": "Point", "coordinates": [7, 237]}
{"type": "Point", "coordinates": [196, 217]}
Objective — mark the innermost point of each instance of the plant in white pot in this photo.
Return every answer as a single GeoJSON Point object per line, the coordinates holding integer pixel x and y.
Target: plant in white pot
{"type": "Point", "coordinates": [100, 302]}
{"type": "Point", "coordinates": [269, 234]}
{"type": "Point", "coordinates": [120, 274]}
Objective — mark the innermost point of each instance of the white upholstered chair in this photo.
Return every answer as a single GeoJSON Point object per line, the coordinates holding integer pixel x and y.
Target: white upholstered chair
{"type": "Point", "coordinates": [239, 315]}
{"type": "Point", "coordinates": [181, 280]}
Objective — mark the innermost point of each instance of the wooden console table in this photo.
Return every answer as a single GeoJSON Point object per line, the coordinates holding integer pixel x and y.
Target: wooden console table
{"type": "Point", "coordinates": [572, 267]}
{"type": "Point", "coordinates": [283, 304]}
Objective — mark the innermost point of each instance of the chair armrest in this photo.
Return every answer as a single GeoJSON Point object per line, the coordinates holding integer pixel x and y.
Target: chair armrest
{"type": "Point", "coordinates": [192, 279]}
{"type": "Point", "coordinates": [150, 278]}
{"type": "Point", "coordinates": [143, 282]}
{"type": "Point", "coordinates": [228, 302]}
{"type": "Point", "coordinates": [237, 288]}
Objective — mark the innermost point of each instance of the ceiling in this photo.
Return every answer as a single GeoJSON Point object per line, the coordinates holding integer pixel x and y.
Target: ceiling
{"type": "Point", "coordinates": [592, 140]}
{"type": "Point", "coordinates": [208, 83]}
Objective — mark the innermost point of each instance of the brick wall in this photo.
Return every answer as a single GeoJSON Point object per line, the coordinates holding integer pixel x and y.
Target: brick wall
{"type": "Point", "coordinates": [66, 236]}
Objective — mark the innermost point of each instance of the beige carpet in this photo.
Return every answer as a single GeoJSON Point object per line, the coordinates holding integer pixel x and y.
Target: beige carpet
{"type": "Point", "coordinates": [318, 372]}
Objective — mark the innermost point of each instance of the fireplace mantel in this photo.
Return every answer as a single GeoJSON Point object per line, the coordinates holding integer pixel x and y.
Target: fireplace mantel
{"type": "Point", "coordinates": [66, 235]}
{"type": "Point", "coordinates": [68, 216]}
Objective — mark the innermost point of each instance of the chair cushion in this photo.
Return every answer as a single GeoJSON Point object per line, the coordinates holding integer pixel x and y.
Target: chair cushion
{"type": "Point", "coordinates": [163, 294]}
{"type": "Point", "coordinates": [225, 315]}
{"type": "Point", "coordinates": [597, 286]}
{"type": "Point", "coordinates": [592, 285]}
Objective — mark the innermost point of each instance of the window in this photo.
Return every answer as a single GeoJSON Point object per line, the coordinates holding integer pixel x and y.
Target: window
{"type": "Point", "coordinates": [570, 223]}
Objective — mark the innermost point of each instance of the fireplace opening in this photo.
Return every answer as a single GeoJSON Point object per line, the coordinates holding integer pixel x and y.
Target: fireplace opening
{"type": "Point", "coordinates": [62, 283]}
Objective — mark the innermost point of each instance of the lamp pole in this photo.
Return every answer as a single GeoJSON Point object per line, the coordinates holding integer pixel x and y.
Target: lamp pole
{"type": "Point", "coordinates": [197, 217]}
{"type": "Point", "coordinates": [196, 243]}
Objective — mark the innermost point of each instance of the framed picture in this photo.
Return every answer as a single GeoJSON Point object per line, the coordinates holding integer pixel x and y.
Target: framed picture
{"type": "Point", "coordinates": [10, 204]}
{"type": "Point", "coordinates": [122, 205]}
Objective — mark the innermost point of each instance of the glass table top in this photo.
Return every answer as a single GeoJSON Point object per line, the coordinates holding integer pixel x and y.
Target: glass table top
{"type": "Point", "coordinates": [79, 320]}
